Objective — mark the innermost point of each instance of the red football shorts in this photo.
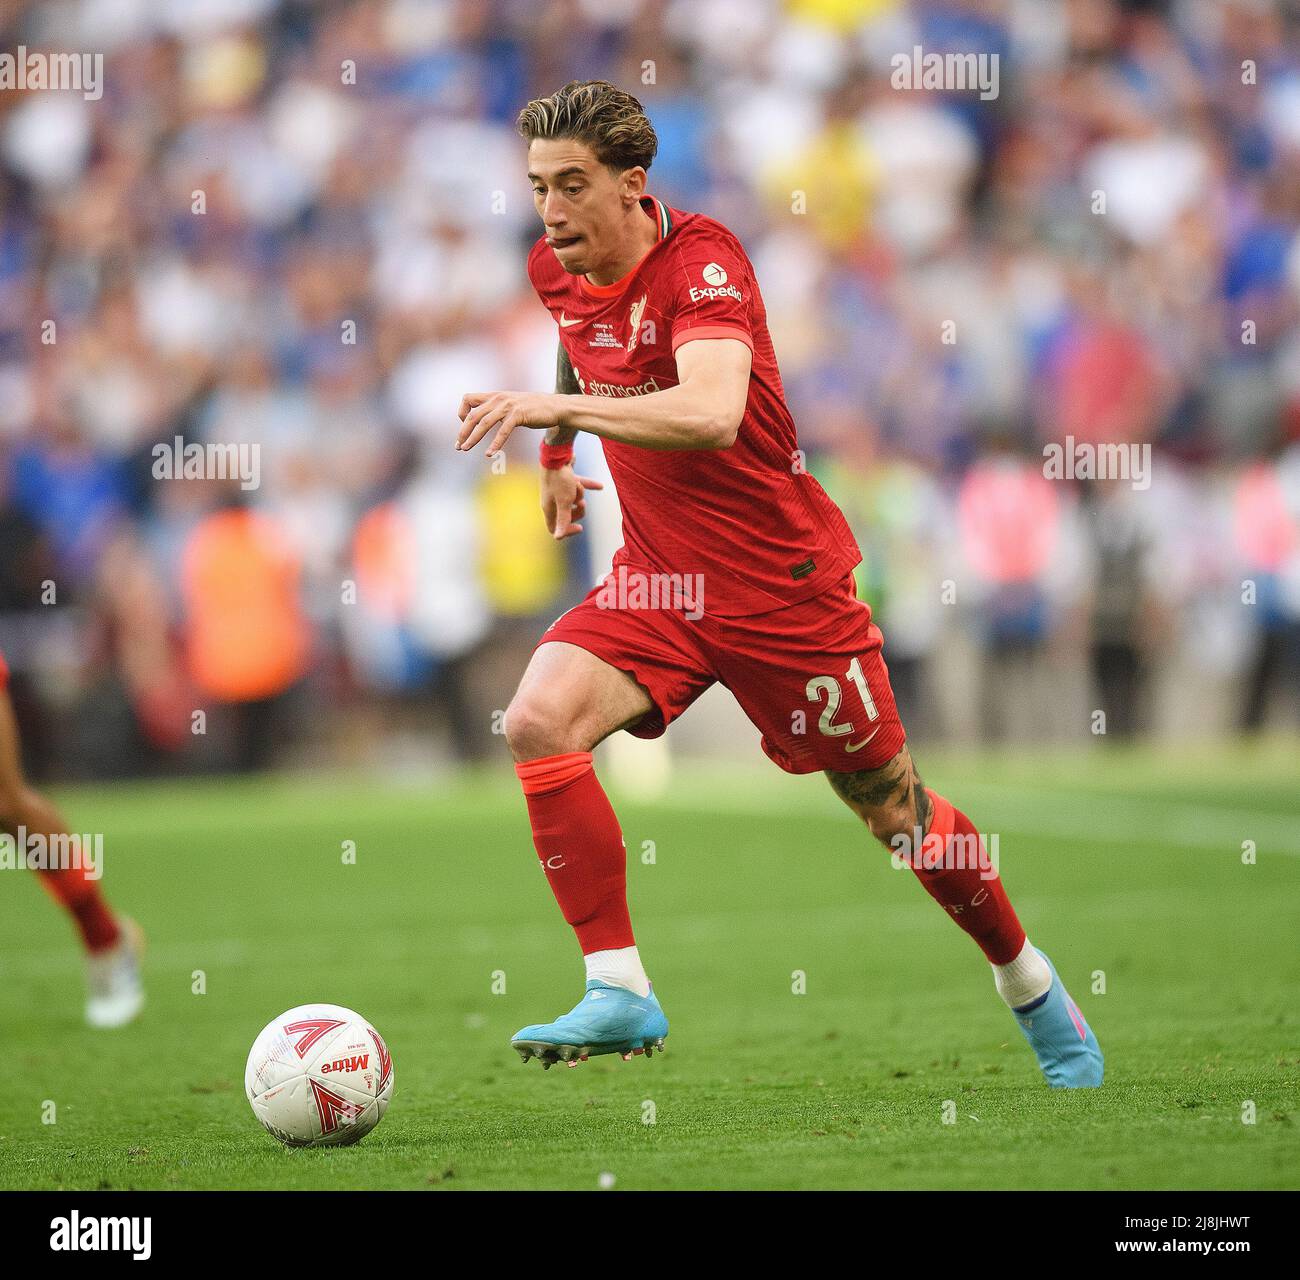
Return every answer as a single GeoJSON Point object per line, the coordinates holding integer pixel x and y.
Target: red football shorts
{"type": "Point", "coordinates": [809, 677]}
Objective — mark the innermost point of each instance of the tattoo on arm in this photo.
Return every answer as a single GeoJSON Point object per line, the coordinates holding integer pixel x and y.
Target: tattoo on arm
{"type": "Point", "coordinates": [566, 384]}
{"type": "Point", "coordinates": [566, 381]}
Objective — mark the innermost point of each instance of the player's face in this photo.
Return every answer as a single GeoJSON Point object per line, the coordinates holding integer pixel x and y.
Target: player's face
{"type": "Point", "coordinates": [581, 202]}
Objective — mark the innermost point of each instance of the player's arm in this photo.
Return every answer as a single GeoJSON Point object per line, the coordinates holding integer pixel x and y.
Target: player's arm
{"type": "Point", "coordinates": [563, 490]}
{"type": "Point", "coordinates": [566, 384]}
{"type": "Point", "coordinates": [703, 411]}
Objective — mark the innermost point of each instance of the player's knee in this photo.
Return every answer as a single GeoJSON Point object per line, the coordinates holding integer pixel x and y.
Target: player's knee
{"type": "Point", "coordinates": [893, 822]}
{"type": "Point", "coordinates": [537, 726]}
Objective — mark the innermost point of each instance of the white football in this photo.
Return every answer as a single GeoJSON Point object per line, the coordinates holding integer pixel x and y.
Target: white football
{"type": "Point", "coordinates": [319, 1075]}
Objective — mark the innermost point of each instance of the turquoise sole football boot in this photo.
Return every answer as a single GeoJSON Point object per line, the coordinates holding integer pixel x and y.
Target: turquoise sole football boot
{"type": "Point", "coordinates": [1067, 1050]}
{"type": "Point", "coordinates": [606, 1020]}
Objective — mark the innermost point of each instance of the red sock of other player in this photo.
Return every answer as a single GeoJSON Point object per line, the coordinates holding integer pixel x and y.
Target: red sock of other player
{"type": "Point", "coordinates": [81, 896]}
{"type": "Point", "coordinates": [956, 872]}
{"type": "Point", "coordinates": [580, 844]}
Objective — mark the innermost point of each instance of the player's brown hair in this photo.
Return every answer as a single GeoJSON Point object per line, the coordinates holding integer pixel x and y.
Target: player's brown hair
{"type": "Point", "coordinates": [612, 123]}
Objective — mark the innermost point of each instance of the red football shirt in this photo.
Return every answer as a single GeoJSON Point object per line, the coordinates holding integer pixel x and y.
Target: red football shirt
{"type": "Point", "coordinates": [761, 531]}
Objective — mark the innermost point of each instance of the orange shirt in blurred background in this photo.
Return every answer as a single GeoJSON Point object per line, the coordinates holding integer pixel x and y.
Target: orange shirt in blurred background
{"type": "Point", "coordinates": [246, 634]}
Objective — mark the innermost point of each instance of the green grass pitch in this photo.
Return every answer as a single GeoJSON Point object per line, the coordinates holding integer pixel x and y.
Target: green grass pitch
{"type": "Point", "coordinates": [1119, 861]}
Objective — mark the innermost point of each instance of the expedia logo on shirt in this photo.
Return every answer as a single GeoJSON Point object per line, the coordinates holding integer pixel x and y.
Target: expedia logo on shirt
{"type": "Point", "coordinates": [716, 286]}
{"type": "Point", "coordinates": [725, 291]}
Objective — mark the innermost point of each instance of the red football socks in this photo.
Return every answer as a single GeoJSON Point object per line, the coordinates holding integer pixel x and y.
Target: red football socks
{"type": "Point", "coordinates": [955, 869]}
{"type": "Point", "coordinates": [81, 896]}
{"type": "Point", "coordinates": [581, 849]}
{"type": "Point", "coordinates": [578, 840]}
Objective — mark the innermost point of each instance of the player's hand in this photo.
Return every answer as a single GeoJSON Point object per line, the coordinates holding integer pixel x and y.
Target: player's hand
{"type": "Point", "coordinates": [563, 500]}
{"type": "Point", "coordinates": [502, 411]}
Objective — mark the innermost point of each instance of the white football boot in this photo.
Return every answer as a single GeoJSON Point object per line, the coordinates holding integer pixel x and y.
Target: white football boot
{"type": "Point", "coordinates": [116, 993]}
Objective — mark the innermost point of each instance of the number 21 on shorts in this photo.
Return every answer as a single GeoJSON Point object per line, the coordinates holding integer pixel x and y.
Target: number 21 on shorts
{"type": "Point", "coordinates": [834, 692]}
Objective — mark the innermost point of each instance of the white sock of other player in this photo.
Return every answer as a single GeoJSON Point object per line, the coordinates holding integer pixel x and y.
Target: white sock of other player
{"type": "Point", "coordinates": [619, 968]}
{"type": "Point", "coordinates": [1023, 980]}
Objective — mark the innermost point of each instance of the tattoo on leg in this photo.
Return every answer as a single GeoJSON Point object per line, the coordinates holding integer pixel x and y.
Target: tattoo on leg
{"type": "Point", "coordinates": [921, 801]}
{"type": "Point", "coordinates": [872, 788]}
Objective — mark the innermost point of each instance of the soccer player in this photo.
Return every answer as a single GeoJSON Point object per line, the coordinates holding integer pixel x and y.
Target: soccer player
{"type": "Point", "coordinates": [113, 944]}
{"type": "Point", "coordinates": [736, 567]}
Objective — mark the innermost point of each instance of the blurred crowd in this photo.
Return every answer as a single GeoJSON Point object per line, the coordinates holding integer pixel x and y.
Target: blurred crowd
{"type": "Point", "coordinates": [302, 225]}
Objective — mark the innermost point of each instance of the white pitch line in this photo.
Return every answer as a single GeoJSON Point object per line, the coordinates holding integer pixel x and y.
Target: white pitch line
{"type": "Point", "coordinates": [1034, 809]}
{"type": "Point", "coordinates": [1037, 811]}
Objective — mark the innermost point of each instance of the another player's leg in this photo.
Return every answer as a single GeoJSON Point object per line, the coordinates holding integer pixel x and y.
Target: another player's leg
{"type": "Point", "coordinates": [112, 944]}
{"type": "Point", "coordinates": [952, 864]}
{"type": "Point", "coordinates": [567, 702]}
